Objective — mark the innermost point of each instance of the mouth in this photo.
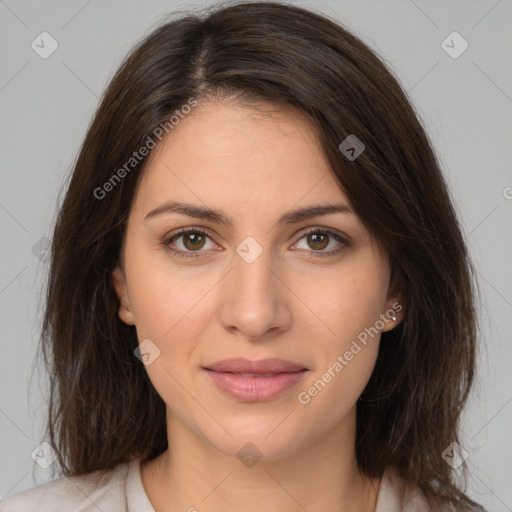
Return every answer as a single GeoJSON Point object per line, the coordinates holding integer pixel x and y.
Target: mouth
{"type": "Point", "coordinates": [255, 381]}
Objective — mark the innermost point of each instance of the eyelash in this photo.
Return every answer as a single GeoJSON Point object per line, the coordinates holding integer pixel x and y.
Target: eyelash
{"type": "Point", "coordinates": [194, 254]}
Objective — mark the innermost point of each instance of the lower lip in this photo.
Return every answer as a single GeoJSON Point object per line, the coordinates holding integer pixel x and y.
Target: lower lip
{"type": "Point", "coordinates": [255, 389]}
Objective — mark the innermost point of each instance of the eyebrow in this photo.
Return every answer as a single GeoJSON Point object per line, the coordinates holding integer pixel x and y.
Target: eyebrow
{"type": "Point", "coordinates": [290, 217]}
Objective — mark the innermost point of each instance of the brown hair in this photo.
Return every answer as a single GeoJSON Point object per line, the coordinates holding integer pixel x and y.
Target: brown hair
{"type": "Point", "coordinates": [103, 408]}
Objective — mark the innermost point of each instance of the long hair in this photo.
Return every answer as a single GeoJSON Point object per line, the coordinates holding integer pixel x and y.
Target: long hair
{"type": "Point", "coordinates": [103, 409]}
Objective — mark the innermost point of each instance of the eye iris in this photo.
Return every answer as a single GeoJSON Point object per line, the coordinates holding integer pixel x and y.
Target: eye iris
{"type": "Point", "coordinates": [199, 238]}
{"type": "Point", "coordinates": [316, 238]}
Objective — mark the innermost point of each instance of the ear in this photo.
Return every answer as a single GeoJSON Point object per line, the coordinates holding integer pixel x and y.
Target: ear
{"type": "Point", "coordinates": [395, 305]}
{"type": "Point", "coordinates": [118, 282]}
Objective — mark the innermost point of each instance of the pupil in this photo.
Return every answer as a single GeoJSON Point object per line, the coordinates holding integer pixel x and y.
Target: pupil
{"type": "Point", "coordinates": [319, 239]}
{"type": "Point", "coordinates": [194, 238]}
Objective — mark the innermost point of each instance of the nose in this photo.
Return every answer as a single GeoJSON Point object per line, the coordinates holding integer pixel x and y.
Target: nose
{"type": "Point", "coordinates": [255, 299]}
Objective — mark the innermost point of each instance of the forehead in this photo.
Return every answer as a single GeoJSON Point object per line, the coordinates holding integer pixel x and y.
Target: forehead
{"type": "Point", "coordinates": [223, 153]}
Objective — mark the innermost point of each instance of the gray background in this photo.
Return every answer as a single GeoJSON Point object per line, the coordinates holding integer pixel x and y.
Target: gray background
{"type": "Point", "coordinates": [464, 103]}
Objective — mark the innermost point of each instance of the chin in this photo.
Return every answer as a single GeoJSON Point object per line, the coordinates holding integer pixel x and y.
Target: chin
{"type": "Point", "coordinates": [268, 438]}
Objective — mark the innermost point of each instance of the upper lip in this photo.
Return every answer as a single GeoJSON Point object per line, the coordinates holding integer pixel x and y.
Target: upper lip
{"type": "Point", "coordinates": [241, 365]}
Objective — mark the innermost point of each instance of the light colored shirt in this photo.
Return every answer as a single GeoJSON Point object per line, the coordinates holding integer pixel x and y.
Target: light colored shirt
{"type": "Point", "coordinates": [121, 490]}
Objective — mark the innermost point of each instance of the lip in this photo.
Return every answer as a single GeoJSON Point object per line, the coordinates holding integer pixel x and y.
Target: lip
{"type": "Point", "coordinates": [241, 365]}
{"type": "Point", "coordinates": [255, 381]}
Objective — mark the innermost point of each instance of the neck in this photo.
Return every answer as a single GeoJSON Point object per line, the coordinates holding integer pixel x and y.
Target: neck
{"type": "Point", "coordinates": [192, 475]}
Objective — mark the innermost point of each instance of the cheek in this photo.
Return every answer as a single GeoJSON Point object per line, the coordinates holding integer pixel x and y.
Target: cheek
{"type": "Point", "coordinates": [345, 358]}
{"type": "Point", "coordinates": [345, 302]}
{"type": "Point", "coordinates": [331, 394]}
{"type": "Point", "coordinates": [350, 306]}
{"type": "Point", "coordinates": [172, 309]}
{"type": "Point", "coordinates": [168, 301]}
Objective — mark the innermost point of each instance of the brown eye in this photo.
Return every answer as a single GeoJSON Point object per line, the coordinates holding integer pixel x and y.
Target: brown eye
{"type": "Point", "coordinates": [193, 240]}
{"type": "Point", "coordinates": [318, 240]}
{"type": "Point", "coordinates": [188, 242]}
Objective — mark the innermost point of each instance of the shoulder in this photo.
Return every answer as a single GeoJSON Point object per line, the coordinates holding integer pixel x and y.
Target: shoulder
{"type": "Point", "coordinates": [99, 490]}
{"type": "Point", "coordinates": [396, 496]}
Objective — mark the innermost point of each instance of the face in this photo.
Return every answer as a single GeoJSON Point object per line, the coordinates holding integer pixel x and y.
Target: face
{"type": "Point", "coordinates": [254, 281]}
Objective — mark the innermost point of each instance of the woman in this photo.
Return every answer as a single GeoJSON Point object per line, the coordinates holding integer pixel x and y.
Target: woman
{"type": "Point", "coordinates": [259, 293]}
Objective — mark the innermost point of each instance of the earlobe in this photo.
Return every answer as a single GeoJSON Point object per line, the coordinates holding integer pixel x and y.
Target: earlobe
{"type": "Point", "coordinates": [395, 303]}
{"type": "Point", "coordinates": [118, 282]}
{"type": "Point", "coordinates": [394, 313]}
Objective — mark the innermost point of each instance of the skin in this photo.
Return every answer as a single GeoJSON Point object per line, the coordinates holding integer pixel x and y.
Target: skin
{"type": "Point", "coordinates": [288, 303]}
